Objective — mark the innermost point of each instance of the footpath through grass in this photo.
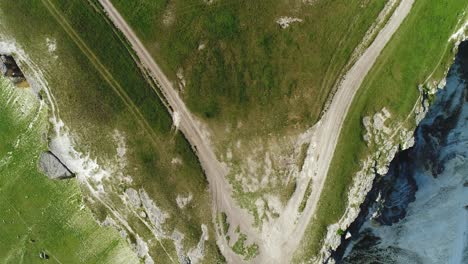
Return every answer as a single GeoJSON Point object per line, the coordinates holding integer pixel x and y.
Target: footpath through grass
{"type": "Point", "coordinates": [256, 85]}
{"type": "Point", "coordinates": [38, 214]}
{"type": "Point", "coordinates": [418, 48]}
{"type": "Point", "coordinates": [99, 91]}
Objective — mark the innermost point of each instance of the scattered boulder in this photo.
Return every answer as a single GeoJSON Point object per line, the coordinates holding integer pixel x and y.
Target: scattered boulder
{"type": "Point", "coordinates": [51, 166]}
{"type": "Point", "coordinates": [142, 214]}
{"type": "Point", "coordinates": [348, 235]}
{"type": "Point", "coordinates": [133, 197]}
{"type": "Point", "coordinates": [9, 68]}
{"type": "Point", "coordinates": [43, 255]}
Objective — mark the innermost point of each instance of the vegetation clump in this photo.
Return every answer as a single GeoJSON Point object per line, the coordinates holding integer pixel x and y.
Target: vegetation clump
{"type": "Point", "coordinates": [224, 222]}
{"type": "Point", "coordinates": [248, 251]}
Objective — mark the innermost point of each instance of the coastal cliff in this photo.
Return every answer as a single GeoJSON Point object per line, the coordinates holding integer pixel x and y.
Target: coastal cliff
{"type": "Point", "coordinates": [417, 211]}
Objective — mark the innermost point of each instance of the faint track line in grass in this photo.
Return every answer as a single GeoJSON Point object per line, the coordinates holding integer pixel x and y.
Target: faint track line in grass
{"type": "Point", "coordinates": [107, 76]}
{"type": "Point", "coordinates": [121, 93]}
{"type": "Point", "coordinates": [153, 83]}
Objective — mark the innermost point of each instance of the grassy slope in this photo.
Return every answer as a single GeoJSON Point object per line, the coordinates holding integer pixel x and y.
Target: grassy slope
{"type": "Point", "coordinates": [90, 106]}
{"type": "Point", "coordinates": [253, 82]}
{"type": "Point", "coordinates": [251, 69]}
{"type": "Point", "coordinates": [415, 51]}
{"type": "Point", "coordinates": [37, 209]}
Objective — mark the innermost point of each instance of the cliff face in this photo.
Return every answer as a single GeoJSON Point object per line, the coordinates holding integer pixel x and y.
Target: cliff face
{"type": "Point", "coordinates": [418, 211]}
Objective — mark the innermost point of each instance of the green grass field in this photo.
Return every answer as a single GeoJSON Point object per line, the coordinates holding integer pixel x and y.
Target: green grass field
{"type": "Point", "coordinates": [420, 49]}
{"type": "Point", "coordinates": [249, 80]}
{"type": "Point", "coordinates": [38, 214]}
{"type": "Point", "coordinates": [99, 89]}
{"type": "Point", "coordinates": [250, 69]}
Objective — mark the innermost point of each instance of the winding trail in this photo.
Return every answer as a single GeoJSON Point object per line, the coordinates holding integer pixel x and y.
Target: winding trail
{"type": "Point", "coordinates": [324, 142]}
{"type": "Point", "coordinates": [215, 171]}
{"type": "Point", "coordinates": [279, 241]}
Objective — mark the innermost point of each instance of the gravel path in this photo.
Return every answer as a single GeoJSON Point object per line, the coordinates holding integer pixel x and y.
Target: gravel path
{"type": "Point", "coordinates": [216, 173]}
{"type": "Point", "coordinates": [325, 139]}
{"type": "Point", "coordinates": [277, 243]}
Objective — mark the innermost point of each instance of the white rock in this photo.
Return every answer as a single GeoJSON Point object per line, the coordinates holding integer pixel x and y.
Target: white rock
{"type": "Point", "coordinates": [348, 235]}
{"type": "Point", "coordinates": [183, 201]}
{"type": "Point", "coordinates": [284, 22]}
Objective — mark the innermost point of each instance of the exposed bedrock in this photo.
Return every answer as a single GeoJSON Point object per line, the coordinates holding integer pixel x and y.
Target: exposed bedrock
{"type": "Point", "coordinates": [51, 166]}
{"type": "Point", "coordinates": [10, 69]}
{"type": "Point", "coordinates": [416, 213]}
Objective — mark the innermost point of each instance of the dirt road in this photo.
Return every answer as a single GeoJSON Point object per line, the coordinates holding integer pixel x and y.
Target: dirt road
{"type": "Point", "coordinates": [277, 243]}
{"type": "Point", "coordinates": [331, 123]}
{"type": "Point", "coordinates": [216, 173]}
{"type": "Point", "coordinates": [325, 140]}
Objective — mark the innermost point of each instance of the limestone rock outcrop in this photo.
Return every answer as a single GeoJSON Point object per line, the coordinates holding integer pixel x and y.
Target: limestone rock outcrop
{"type": "Point", "coordinates": [51, 166]}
